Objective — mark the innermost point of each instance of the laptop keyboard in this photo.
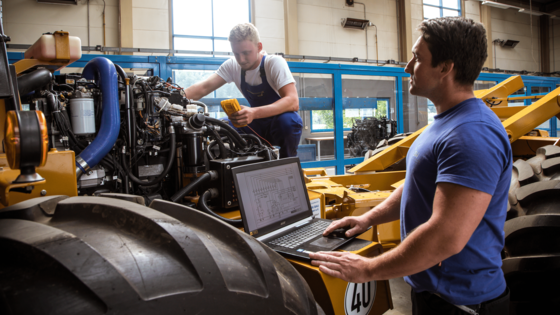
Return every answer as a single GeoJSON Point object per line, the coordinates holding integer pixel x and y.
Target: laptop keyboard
{"type": "Point", "coordinates": [301, 235]}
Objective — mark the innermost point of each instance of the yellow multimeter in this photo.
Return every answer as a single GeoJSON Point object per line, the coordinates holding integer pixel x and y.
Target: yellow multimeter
{"type": "Point", "coordinates": [231, 106]}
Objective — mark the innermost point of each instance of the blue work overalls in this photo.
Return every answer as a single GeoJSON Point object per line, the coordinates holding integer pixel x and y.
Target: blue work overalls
{"type": "Point", "coordinates": [282, 130]}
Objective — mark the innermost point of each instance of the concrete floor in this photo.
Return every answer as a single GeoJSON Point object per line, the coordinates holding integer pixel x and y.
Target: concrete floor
{"type": "Point", "coordinates": [400, 291]}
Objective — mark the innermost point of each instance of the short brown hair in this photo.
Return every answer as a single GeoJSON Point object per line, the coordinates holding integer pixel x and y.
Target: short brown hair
{"type": "Point", "coordinates": [244, 31]}
{"type": "Point", "coordinates": [460, 40]}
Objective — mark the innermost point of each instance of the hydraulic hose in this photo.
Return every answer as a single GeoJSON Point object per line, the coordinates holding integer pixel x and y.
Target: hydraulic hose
{"type": "Point", "coordinates": [145, 87]}
{"type": "Point", "coordinates": [211, 175]}
{"type": "Point", "coordinates": [34, 80]}
{"type": "Point", "coordinates": [102, 70]}
{"type": "Point", "coordinates": [133, 120]}
{"type": "Point", "coordinates": [203, 205]}
{"type": "Point", "coordinates": [223, 151]}
{"type": "Point", "coordinates": [236, 137]}
{"type": "Point", "coordinates": [172, 151]}
{"type": "Point", "coordinates": [121, 73]}
{"type": "Point", "coordinates": [253, 137]}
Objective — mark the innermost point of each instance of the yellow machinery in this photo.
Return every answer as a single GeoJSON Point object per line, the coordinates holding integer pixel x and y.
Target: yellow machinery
{"type": "Point", "coordinates": [519, 123]}
{"type": "Point", "coordinates": [57, 176]}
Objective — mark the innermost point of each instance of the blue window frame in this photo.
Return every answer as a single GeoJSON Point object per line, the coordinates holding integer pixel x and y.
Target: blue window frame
{"type": "Point", "coordinates": [354, 108]}
{"type": "Point", "coordinates": [441, 8]}
{"type": "Point", "coordinates": [204, 25]}
{"type": "Point", "coordinates": [163, 66]}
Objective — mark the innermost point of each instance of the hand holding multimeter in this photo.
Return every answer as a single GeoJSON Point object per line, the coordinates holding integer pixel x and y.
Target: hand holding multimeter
{"type": "Point", "coordinates": [240, 116]}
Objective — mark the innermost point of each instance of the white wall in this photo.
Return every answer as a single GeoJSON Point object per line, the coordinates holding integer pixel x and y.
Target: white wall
{"type": "Point", "coordinates": [321, 34]}
{"type": "Point", "coordinates": [150, 24]}
{"type": "Point", "coordinates": [510, 24]}
{"type": "Point", "coordinates": [25, 21]}
{"type": "Point", "coordinates": [269, 19]}
{"type": "Point", "coordinates": [472, 10]}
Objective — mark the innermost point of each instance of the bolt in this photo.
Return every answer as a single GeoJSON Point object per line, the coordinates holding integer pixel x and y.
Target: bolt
{"type": "Point", "coordinates": [43, 192]}
{"type": "Point", "coordinates": [140, 141]}
{"type": "Point", "coordinates": [229, 203]}
{"type": "Point", "coordinates": [228, 167]}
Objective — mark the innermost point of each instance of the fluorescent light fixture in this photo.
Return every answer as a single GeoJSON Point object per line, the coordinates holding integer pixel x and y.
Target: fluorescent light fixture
{"type": "Point", "coordinates": [358, 24]}
{"type": "Point", "coordinates": [537, 13]}
{"type": "Point", "coordinates": [500, 5]}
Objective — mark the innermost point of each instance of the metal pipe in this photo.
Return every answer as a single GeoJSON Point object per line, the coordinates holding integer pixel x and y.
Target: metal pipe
{"type": "Point", "coordinates": [104, 35]}
{"type": "Point", "coordinates": [129, 114]}
{"type": "Point", "coordinates": [376, 46]}
{"type": "Point", "coordinates": [201, 105]}
{"type": "Point", "coordinates": [367, 54]}
{"type": "Point", "coordinates": [88, 23]}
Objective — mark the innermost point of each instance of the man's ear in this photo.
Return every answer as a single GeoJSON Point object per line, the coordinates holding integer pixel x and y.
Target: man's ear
{"type": "Point", "coordinates": [259, 46]}
{"type": "Point", "coordinates": [447, 67]}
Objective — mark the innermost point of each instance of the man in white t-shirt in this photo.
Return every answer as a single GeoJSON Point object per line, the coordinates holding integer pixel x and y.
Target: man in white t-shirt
{"type": "Point", "coordinates": [267, 84]}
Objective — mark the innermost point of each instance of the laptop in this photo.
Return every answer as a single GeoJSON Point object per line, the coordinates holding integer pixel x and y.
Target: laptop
{"type": "Point", "coordinates": [275, 208]}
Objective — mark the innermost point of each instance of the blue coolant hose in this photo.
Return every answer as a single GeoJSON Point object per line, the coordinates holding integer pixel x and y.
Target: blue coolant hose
{"type": "Point", "coordinates": [103, 71]}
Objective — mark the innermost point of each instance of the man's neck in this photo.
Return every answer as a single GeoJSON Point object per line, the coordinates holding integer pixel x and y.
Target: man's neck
{"type": "Point", "coordinates": [450, 97]}
{"type": "Point", "coordinates": [258, 63]}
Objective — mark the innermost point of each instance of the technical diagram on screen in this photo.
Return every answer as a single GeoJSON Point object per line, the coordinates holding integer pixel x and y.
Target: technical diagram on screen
{"type": "Point", "coordinates": [275, 208]}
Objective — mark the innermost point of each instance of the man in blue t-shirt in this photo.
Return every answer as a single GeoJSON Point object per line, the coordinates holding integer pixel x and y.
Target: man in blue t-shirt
{"type": "Point", "coordinates": [453, 203]}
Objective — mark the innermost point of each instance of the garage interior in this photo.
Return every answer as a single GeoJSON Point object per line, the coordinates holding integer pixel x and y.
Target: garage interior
{"type": "Point", "coordinates": [132, 210]}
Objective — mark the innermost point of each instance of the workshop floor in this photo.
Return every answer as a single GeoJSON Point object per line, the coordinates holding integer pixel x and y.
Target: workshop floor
{"type": "Point", "coordinates": [400, 290]}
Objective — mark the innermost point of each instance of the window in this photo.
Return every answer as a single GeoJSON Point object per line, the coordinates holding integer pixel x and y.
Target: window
{"type": "Point", "coordinates": [186, 78]}
{"type": "Point", "coordinates": [441, 8]}
{"type": "Point", "coordinates": [322, 120]}
{"type": "Point", "coordinates": [204, 25]}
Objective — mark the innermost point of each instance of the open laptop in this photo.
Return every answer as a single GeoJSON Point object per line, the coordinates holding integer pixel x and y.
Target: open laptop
{"type": "Point", "coordinates": [275, 208]}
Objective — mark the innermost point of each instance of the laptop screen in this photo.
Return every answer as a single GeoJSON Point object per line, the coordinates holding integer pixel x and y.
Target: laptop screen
{"type": "Point", "coordinates": [271, 195]}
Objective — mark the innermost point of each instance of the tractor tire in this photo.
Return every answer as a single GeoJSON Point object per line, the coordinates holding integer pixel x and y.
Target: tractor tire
{"type": "Point", "coordinates": [384, 144]}
{"type": "Point", "coordinates": [95, 255]}
{"type": "Point", "coordinates": [531, 255]}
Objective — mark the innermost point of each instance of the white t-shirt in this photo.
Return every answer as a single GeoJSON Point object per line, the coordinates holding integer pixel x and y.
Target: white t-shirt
{"type": "Point", "coordinates": [276, 68]}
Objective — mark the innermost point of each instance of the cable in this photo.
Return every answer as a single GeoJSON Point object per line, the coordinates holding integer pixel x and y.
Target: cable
{"type": "Point", "coordinates": [203, 205]}
{"type": "Point", "coordinates": [259, 135]}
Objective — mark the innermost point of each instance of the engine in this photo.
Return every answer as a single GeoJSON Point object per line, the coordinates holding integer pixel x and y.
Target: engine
{"type": "Point", "coordinates": [139, 135]}
{"type": "Point", "coordinates": [368, 132]}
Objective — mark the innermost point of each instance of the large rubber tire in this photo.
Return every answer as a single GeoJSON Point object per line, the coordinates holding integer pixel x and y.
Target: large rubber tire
{"type": "Point", "coordinates": [95, 255]}
{"type": "Point", "coordinates": [384, 144]}
{"type": "Point", "coordinates": [531, 253]}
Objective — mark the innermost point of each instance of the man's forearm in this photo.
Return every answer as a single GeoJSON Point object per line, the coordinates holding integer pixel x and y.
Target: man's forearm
{"type": "Point", "coordinates": [285, 104]}
{"type": "Point", "coordinates": [421, 250]}
{"type": "Point", "coordinates": [388, 210]}
{"type": "Point", "coordinates": [196, 91]}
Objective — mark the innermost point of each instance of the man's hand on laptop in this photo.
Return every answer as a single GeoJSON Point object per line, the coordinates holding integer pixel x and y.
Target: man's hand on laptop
{"type": "Point", "coordinates": [357, 225]}
{"type": "Point", "coordinates": [346, 266]}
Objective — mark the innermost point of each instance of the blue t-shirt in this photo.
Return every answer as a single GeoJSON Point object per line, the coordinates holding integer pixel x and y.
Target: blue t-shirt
{"type": "Point", "coordinates": [465, 145]}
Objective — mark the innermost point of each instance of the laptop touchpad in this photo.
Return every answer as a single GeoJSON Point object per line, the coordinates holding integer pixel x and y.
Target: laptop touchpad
{"type": "Point", "coordinates": [327, 242]}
